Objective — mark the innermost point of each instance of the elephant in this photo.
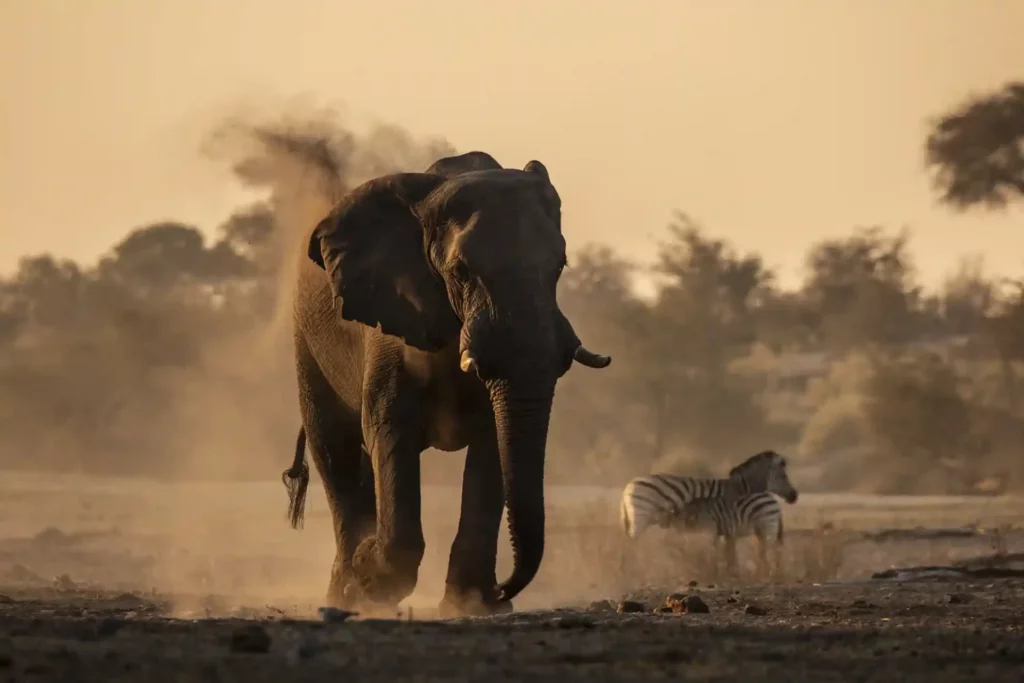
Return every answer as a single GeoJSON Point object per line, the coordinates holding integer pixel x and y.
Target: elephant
{"type": "Point", "coordinates": [425, 316]}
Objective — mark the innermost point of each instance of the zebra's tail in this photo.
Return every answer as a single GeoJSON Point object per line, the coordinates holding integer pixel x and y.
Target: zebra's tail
{"type": "Point", "coordinates": [627, 511]}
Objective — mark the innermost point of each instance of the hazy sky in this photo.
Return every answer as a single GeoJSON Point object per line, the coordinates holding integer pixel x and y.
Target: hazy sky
{"type": "Point", "coordinates": [773, 122]}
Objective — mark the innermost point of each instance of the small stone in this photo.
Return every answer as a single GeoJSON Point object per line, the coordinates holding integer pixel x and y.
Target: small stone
{"type": "Point", "coordinates": [694, 605]}
{"type": "Point", "coordinates": [693, 584]}
{"type": "Point", "coordinates": [732, 600]}
{"type": "Point", "coordinates": [959, 598]}
{"type": "Point", "coordinates": [664, 609]}
{"type": "Point", "coordinates": [631, 607]}
{"type": "Point", "coordinates": [601, 606]}
{"type": "Point", "coordinates": [676, 602]}
{"type": "Point", "coordinates": [251, 638]}
{"type": "Point", "coordinates": [333, 615]}
{"type": "Point", "coordinates": [755, 610]}
{"type": "Point", "coordinates": [860, 603]}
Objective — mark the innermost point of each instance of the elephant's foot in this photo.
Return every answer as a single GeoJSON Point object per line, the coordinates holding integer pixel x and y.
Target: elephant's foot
{"type": "Point", "coordinates": [346, 595]}
{"type": "Point", "coordinates": [382, 580]}
{"type": "Point", "coordinates": [459, 602]}
{"type": "Point", "coordinates": [341, 597]}
{"type": "Point", "coordinates": [341, 593]}
{"type": "Point", "coordinates": [351, 598]}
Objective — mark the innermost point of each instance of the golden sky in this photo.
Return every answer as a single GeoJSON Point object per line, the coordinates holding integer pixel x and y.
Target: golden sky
{"type": "Point", "coordinates": [773, 122]}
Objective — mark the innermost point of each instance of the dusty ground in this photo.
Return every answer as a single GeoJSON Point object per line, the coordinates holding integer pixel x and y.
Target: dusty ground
{"type": "Point", "coordinates": [116, 580]}
{"type": "Point", "coordinates": [879, 631]}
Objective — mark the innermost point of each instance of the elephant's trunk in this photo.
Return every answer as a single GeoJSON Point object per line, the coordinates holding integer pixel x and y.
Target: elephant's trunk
{"type": "Point", "coordinates": [521, 419]}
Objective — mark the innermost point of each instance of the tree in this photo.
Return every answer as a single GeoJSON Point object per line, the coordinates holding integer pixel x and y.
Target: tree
{"type": "Point", "coordinates": [704, 317]}
{"type": "Point", "coordinates": [976, 151]}
{"type": "Point", "coordinates": [920, 424]}
{"type": "Point", "coordinates": [595, 418]}
{"type": "Point", "coordinates": [46, 291]}
{"type": "Point", "coordinates": [967, 298]}
{"type": "Point", "coordinates": [164, 255]}
{"type": "Point", "coordinates": [861, 289]}
{"type": "Point", "coordinates": [248, 231]}
{"type": "Point", "coordinates": [709, 287]}
{"type": "Point", "coordinates": [1006, 327]}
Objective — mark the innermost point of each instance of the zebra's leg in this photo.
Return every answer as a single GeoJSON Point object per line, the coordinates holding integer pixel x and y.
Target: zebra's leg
{"type": "Point", "coordinates": [730, 555]}
{"type": "Point", "coordinates": [715, 551]}
{"type": "Point", "coordinates": [777, 558]}
{"type": "Point", "coordinates": [763, 571]}
{"type": "Point", "coordinates": [777, 561]}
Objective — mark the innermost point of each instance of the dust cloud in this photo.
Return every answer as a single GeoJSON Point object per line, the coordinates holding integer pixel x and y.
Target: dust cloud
{"type": "Point", "coordinates": [188, 403]}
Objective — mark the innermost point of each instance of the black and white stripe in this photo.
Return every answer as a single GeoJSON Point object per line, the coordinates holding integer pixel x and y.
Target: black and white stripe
{"type": "Point", "coordinates": [731, 517]}
{"type": "Point", "coordinates": [658, 499]}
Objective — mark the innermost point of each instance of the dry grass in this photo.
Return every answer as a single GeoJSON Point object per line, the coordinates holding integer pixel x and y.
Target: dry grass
{"type": "Point", "coordinates": [827, 538]}
{"type": "Point", "coordinates": [232, 541]}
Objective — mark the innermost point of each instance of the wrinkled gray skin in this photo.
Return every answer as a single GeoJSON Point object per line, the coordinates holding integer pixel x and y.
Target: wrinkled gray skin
{"type": "Point", "coordinates": [458, 266]}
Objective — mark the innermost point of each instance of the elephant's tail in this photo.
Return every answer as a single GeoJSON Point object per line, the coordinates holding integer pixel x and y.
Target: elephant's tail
{"type": "Point", "coordinates": [296, 480]}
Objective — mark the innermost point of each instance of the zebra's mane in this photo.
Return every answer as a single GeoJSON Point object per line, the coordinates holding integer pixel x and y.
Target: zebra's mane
{"type": "Point", "coordinates": [755, 460]}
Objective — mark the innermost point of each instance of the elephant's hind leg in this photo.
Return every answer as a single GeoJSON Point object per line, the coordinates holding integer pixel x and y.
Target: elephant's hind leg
{"type": "Point", "coordinates": [471, 582]}
{"type": "Point", "coordinates": [334, 440]}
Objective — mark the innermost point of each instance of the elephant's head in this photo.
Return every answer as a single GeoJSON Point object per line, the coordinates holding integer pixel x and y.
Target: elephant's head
{"type": "Point", "coordinates": [472, 252]}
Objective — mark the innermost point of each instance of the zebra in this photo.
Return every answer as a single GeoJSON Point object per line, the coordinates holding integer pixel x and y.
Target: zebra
{"type": "Point", "coordinates": [657, 499]}
{"type": "Point", "coordinates": [734, 516]}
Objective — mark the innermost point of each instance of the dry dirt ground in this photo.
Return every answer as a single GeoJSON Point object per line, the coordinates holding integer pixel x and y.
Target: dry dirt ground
{"type": "Point", "coordinates": [129, 580]}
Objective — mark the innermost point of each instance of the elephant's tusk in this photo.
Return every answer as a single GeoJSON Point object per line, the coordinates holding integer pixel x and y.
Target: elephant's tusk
{"type": "Point", "coordinates": [584, 356]}
{"type": "Point", "coordinates": [468, 363]}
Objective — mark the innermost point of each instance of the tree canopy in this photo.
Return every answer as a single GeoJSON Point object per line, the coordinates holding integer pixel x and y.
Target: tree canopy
{"type": "Point", "coordinates": [976, 151]}
{"type": "Point", "coordinates": [171, 356]}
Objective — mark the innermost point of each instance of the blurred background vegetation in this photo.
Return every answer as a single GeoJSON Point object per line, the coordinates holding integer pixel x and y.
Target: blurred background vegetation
{"type": "Point", "coordinates": [171, 356]}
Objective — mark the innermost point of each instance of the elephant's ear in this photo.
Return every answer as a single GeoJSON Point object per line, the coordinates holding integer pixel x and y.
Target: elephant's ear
{"type": "Point", "coordinates": [372, 247]}
{"type": "Point", "coordinates": [450, 167]}
{"type": "Point", "coordinates": [552, 202]}
{"type": "Point", "coordinates": [540, 169]}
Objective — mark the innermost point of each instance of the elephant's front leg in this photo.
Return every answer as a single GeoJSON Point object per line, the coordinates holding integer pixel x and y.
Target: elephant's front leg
{"type": "Point", "coordinates": [352, 491]}
{"type": "Point", "coordinates": [386, 564]}
{"type": "Point", "coordinates": [471, 582]}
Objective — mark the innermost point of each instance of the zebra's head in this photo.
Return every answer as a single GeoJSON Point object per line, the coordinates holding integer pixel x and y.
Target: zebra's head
{"type": "Point", "coordinates": [765, 471]}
